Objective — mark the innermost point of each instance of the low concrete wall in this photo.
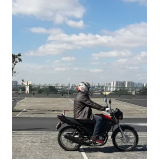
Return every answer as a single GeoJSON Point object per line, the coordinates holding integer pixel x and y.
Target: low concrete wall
{"type": "Point", "coordinates": [74, 95]}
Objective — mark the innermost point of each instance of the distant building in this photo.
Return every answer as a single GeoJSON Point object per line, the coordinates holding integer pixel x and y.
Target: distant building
{"type": "Point", "coordinates": [98, 84]}
{"type": "Point", "coordinates": [139, 84]}
{"type": "Point", "coordinates": [145, 84]}
{"type": "Point", "coordinates": [130, 85]}
{"type": "Point", "coordinates": [108, 87]}
{"type": "Point", "coordinates": [14, 83]}
{"type": "Point", "coordinates": [69, 85]}
{"type": "Point", "coordinates": [117, 85]}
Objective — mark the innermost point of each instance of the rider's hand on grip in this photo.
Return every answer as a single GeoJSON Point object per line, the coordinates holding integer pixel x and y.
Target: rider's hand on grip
{"type": "Point", "coordinates": [107, 109]}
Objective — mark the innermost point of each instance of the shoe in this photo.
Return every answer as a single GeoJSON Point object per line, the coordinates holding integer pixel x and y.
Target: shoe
{"type": "Point", "coordinates": [96, 140]}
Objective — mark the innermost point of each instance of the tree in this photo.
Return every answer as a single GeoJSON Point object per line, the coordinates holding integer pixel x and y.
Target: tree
{"type": "Point", "coordinates": [120, 92]}
{"type": "Point", "coordinates": [48, 90]}
{"type": "Point", "coordinates": [142, 91]}
{"type": "Point", "coordinates": [15, 60]}
{"type": "Point", "coordinates": [52, 89]}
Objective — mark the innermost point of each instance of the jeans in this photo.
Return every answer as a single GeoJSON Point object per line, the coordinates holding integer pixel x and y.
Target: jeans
{"type": "Point", "coordinates": [97, 126]}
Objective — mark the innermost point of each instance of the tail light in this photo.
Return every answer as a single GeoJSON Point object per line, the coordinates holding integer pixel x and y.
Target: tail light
{"type": "Point", "coordinates": [63, 112]}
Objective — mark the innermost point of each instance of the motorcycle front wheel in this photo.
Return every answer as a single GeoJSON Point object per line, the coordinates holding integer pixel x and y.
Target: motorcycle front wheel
{"type": "Point", "coordinates": [129, 142]}
{"type": "Point", "coordinates": [67, 144]}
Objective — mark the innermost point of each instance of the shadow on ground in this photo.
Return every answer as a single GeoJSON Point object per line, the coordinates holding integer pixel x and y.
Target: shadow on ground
{"type": "Point", "coordinates": [112, 149]}
{"type": "Point", "coordinates": [15, 110]}
{"type": "Point", "coordinates": [30, 129]}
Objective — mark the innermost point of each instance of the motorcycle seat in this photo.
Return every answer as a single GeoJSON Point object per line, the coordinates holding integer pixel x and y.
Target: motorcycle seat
{"type": "Point", "coordinates": [79, 121]}
{"type": "Point", "coordinates": [85, 121]}
{"type": "Point", "coordinates": [72, 120]}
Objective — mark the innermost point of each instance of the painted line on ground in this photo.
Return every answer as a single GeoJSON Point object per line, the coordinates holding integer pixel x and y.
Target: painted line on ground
{"type": "Point", "coordinates": [24, 109]}
{"type": "Point", "coordinates": [20, 113]}
{"type": "Point", "coordinates": [21, 100]}
{"type": "Point", "coordinates": [71, 100]}
{"type": "Point", "coordinates": [83, 153]}
{"type": "Point", "coordinates": [136, 124]}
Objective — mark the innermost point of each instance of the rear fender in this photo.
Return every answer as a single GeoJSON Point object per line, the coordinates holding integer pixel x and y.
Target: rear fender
{"type": "Point", "coordinates": [62, 118]}
{"type": "Point", "coordinates": [74, 127]}
{"type": "Point", "coordinates": [123, 128]}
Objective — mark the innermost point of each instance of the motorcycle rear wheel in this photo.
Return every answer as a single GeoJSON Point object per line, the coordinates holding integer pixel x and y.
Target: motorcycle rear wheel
{"type": "Point", "coordinates": [125, 145]}
{"type": "Point", "coordinates": [65, 143]}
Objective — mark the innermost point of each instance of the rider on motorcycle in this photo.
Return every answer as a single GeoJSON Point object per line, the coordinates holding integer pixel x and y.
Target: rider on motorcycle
{"type": "Point", "coordinates": [83, 111]}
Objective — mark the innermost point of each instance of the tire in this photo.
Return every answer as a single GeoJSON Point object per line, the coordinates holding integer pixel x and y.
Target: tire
{"type": "Point", "coordinates": [126, 145]}
{"type": "Point", "coordinates": [65, 143]}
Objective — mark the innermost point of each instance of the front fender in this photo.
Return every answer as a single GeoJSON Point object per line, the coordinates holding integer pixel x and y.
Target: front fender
{"type": "Point", "coordinates": [123, 128]}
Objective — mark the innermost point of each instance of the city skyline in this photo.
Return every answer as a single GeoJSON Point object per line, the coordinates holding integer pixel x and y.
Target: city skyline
{"type": "Point", "coordinates": [74, 41]}
{"type": "Point", "coordinates": [138, 84]}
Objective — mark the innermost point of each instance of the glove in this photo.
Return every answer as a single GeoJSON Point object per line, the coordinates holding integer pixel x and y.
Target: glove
{"type": "Point", "coordinates": [107, 109]}
{"type": "Point", "coordinates": [104, 107]}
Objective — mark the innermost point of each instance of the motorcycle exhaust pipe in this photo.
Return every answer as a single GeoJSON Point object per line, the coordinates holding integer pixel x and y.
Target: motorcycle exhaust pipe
{"type": "Point", "coordinates": [76, 140]}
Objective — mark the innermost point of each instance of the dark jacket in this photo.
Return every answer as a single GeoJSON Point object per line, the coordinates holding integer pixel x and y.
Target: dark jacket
{"type": "Point", "coordinates": [83, 105]}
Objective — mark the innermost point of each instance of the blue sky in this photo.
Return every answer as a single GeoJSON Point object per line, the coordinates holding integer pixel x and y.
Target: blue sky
{"type": "Point", "coordinates": [87, 40]}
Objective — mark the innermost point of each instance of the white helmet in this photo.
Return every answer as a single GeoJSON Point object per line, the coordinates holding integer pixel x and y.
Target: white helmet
{"type": "Point", "coordinates": [84, 87]}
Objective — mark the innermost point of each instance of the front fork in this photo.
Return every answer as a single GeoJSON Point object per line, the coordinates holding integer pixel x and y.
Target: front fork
{"type": "Point", "coordinates": [123, 135]}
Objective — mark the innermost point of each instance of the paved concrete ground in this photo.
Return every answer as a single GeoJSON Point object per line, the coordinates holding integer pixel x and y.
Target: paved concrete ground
{"type": "Point", "coordinates": [140, 102]}
{"type": "Point", "coordinates": [44, 145]}
{"type": "Point", "coordinates": [51, 107]}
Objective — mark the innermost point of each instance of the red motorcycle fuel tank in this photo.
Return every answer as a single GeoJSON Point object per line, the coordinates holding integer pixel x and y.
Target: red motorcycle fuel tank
{"type": "Point", "coordinates": [105, 116]}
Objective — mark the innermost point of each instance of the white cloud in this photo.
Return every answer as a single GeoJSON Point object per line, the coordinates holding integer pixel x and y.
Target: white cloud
{"type": "Point", "coordinates": [122, 60]}
{"type": "Point", "coordinates": [132, 62]}
{"type": "Point", "coordinates": [53, 31]}
{"type": "Point", "coordinates": [95, 63]}
{"type": "Point", "coordinates": [132, 36]}
{"type": "Point", "coordinates": [115, 53]}
{"type": "Point", "coordinates": [96, 70]}
{"type": "Point", "coordinates": [142, 2]}
{"type": "Point", "coordinates": [133, 67]}
{"type": "Point", "coordinates": [56, 61]}
{"type": "Point", "coordinates": [60, 69]}
{"type": "Point", "coordinates": [140, 58]}
{"type": "Point", "coordinates": [74, 24]}
{"type": "Point", "coordinates": [50, 73]}
{"type": "Point", "coordinates": [129, 37]}
{"type": "Point", "coordinates": [68, 58]}
{"type": "Point", "coordinates": [52, 48]}
{"type": "Point", "coordinates": [58, 11]}
{"type": "Point", "coordinates": [76, 69]}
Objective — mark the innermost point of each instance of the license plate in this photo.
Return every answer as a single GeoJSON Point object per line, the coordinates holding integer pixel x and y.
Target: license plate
{"type": "Point", "coordinates": [58, 125]}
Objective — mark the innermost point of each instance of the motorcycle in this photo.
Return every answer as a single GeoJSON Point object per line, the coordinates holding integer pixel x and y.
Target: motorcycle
{"type": "Point", "coordinates": [79, 132]}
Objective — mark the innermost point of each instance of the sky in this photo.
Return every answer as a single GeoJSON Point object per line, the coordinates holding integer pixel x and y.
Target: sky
{"type": "Point", "coordinates": [80, 40]}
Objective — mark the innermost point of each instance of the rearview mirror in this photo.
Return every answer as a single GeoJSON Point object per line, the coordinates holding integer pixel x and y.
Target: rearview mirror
{"type": "Point", "coordinates": [110, 101]}
{"type": "Point", "coordinates": [105, 99]}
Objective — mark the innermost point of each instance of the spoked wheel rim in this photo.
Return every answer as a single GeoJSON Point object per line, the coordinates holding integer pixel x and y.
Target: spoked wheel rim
{"type": "Point", "coordinates": [66, 142]}
{"type": "Point", "coordinates": [128, 143]}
